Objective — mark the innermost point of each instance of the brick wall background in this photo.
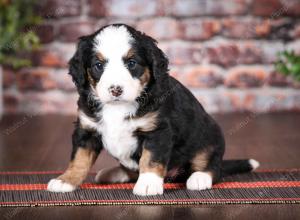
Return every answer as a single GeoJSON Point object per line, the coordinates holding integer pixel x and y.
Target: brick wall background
{"type": "Point", "coordinates": [222, 50]}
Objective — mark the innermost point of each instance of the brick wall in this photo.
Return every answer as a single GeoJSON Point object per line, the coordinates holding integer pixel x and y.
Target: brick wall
{"type": "Point", "coordinates": [222, 50]}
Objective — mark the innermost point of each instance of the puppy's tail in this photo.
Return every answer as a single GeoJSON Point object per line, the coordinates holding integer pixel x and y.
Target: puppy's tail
{"type": "Point", "coordinates": [238, 166]}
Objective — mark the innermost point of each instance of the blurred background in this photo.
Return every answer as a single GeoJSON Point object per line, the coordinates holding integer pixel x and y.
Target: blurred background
{"type": "Point", "coordinates": [235, 55]}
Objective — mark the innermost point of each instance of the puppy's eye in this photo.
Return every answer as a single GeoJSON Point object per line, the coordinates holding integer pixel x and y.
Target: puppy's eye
{"type": "Point", "coordinates": [131, 63]}
{"type": "Point", "coordinates": [98, 67]}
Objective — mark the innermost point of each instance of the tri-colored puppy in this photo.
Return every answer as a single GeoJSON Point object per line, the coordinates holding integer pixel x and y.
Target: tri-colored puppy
{"type": "Point", "coordinates": [129, 105]}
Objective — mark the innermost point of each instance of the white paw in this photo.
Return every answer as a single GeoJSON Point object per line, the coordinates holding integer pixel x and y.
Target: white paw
{"type": "Point", "coordinates": [254, 164]}
{"type": "Point", "coordinates": [149, 184]}
{"type": "Point", "coordinates": [56, 185]}
{"type": "Point", "coordinates": [199, 181]}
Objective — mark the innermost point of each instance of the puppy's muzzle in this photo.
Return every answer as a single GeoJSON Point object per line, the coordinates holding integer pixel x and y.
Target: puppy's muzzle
{"type": "Point", "coordinates": [115, 91]}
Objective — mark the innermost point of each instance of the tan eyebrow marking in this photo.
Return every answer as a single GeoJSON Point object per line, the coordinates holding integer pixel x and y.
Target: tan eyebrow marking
{"type": "Point", "coordinates": [129, 54]}
{"type": "Point", "coordinates": [100, 56]}
{"type": "Point", "coordinates": [90, 78]}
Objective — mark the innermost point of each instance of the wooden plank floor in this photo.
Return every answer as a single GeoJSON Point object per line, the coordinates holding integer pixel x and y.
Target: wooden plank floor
{"type": "Point", "coordinates": [44, 143]}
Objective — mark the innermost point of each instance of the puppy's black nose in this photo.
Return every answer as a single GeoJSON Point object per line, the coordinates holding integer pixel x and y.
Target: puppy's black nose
{"type": "Point", "coordinates": [116, 90]}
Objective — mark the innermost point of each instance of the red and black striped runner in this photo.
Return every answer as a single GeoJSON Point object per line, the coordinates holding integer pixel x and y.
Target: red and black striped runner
{"type": "Point", "coordinates": [29, 189]}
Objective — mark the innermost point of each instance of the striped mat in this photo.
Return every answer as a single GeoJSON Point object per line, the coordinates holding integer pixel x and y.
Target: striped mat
{"type": "Point", "coordinates": [264, 187]}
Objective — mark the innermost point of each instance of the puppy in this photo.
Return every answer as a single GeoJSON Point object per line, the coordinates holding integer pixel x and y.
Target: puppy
{"type": "Point", "coordinates": [146, 119]}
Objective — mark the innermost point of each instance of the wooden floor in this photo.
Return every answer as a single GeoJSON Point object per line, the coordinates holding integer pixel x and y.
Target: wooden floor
{"type": "Point", "coordinates": [43, 143]}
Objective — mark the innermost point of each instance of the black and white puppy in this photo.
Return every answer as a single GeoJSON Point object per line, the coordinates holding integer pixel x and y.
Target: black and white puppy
{"type": "Point", "coordinates": [147, 120]}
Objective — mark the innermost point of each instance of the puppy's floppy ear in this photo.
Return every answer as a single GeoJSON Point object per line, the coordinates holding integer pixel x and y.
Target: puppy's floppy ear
{"type": "Point", "coordinates": [76, 64]}
{"type": "Point", "coordinates": [156, 58]}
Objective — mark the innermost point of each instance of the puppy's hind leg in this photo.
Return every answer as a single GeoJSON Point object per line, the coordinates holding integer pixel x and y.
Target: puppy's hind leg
{"type": "Point", "coordinates": [205, 168]}
{"type": "Point", "coordinates": [118, 174]}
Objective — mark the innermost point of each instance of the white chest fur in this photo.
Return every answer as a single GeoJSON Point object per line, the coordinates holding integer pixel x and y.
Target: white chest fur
{"type": "Point", "coordinates": [117, 133]}
{"type": "Point", "coordinates": [117, 130]}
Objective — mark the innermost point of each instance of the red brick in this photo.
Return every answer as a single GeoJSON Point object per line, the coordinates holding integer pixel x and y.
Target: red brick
{"type": "Point", "coordinates": [240, 101]}
{"type": "Point", "coordinates": [57, 8]}
{"type": "Point", "coordinates": [276, 8]}
{"type": "Point", "coordinates": [294, 45]}
{"type": "Point", "coordinates": [41, 79]}
{"type": "Point", "coordinates": [63, 81]}
{"type": "Point", "coordinates": [97, 8]}
{"type": "Point", "coordinates": [124, 8]}
{"type": "Point", "coordinates": [212, 101]}
{"type": "Point", "coordinates": [274, 100]}
{"type": "Point", "coordinates": [45, 33]}
{"type": "Point", "coordinates": [227, 53]}
{"type": "Point", "coordinates": [255, 100]}
{"type": "Point", "coordinates": [11, 101]}
{"type": "Point", "coordinates": [270, 50]}
{"type": "Point", "coordinates": [245, 28]}
{"type": "Point", "coordinates": [295, 84]}
{"type": "Point", "coordinates": [205, 7]}
{"type": "Point", "coordinates": [266, 7]}
{"type": "Point", "coordinates": [199, 29]}
{"type": "Point", "coordinates": [180, 53]}
{"type": "Point", "coordinates": [70, 32]}
{"type": "Point", "coordinates": [201, 76]}
{"type": "Point", "coordinates": [277, 80]}
{"type": "Point", "coordinates": [246, 77]}
{"type": "Point", "coordinates": [163, 28]}
{"type": "Point", "coordinates": [9, 77]}
{"type": "Point", "coordinates": [67, 50]}
{"type": "Point", "coordinates": [222, 54]}
{"type": "Point", "coordinates": [34, 79]}
{"type": "Point", "coordinates": [296, 31]}
{"type": "Point", "coordinates": [281, 29]}
{"type": "Point", "coordinates": [293, 7]}
{"type": "Point", "coordinates": [249, 53]}
{"type": "Point", "coordinates": [48, 58]}
{"type": "Point", "coordinates": [54, 55]}
{"type": "Point", "coordinates": [175, 71]}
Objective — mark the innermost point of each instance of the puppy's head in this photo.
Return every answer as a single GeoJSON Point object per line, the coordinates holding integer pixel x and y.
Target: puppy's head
{"type": "Point", "coordinates": [117, 63]}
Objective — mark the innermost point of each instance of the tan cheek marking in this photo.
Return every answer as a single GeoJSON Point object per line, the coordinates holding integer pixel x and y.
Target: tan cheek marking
{"type": "Point", "coordinates": [145, 78]}
{"type": "Point", "coordinates": [146, 165]}
{"type": "Point", "coordinates": [91, 80]}
{"type": "Point", "coordinates": [79, 167]}
{"type": "Point", "coordinates": [150, 122]}
{"type": "Point", "coordinates": [200, 161]}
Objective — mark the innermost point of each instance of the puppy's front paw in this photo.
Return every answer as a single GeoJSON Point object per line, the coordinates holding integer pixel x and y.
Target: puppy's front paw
{"type": "Point", "coordinates": [149, 184]}
{"type": "Point", "coordinates": [199, 181]}
{"type": "Point", "coordinates": [57, 185]}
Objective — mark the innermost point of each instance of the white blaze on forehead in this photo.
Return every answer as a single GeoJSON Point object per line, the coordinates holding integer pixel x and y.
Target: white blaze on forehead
{"type": "Point", "coordinates": [113, 42]}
